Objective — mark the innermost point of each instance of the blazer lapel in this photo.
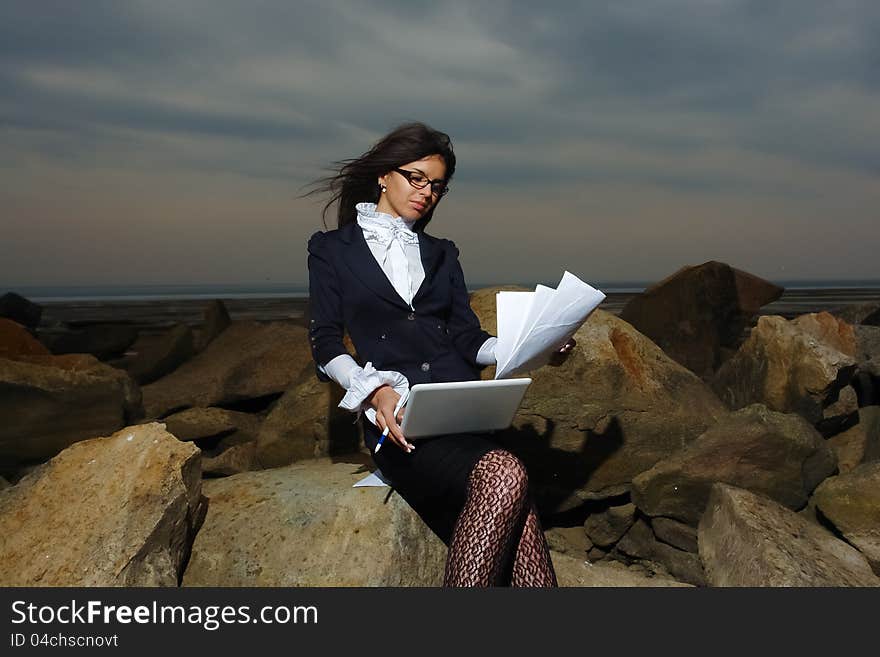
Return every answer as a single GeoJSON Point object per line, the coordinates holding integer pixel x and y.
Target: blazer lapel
{"type": "Point", "coordinates": [361, 262]}
{"type": "Point", "coordinates": [432, 255]}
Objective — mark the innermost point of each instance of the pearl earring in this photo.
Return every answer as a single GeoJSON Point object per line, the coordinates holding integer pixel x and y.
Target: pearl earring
{"type": "Point", "coordinates": [384, 189]}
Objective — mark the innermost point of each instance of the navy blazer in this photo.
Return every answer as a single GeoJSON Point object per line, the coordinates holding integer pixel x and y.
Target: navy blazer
{"type": "Point", "coordinates": [438, 341]}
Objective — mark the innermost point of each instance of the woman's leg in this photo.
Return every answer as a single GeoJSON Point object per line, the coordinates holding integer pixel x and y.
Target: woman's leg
{"type": "Point", "coordinates": [532, 565]}
{"type": "Point", "coordinates": [497, 531]}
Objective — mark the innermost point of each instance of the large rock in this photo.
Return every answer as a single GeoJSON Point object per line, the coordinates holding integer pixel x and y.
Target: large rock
{"type": "Point", "coordinates": [606, 528]}
{"type": "Point", "coordinates": [304, 525]}
{"type": "Point", "coordinates": [640, 543]}
{"type": "Point", "coordinates": [698, 313]}
{"type": "Point", "coordinates": [156, 356]}
{"type": "Point", "coordinates": [575, 572]}
{"type": "Point", "coordinates": [306, 423]}
{"type": "Point", "coordinates": [49, 402]}
{"type": "Point", "coordinates": [114, 511]}
{"type": "Point", "coordinates": [215, 321]}
{"type": "Point", "coordinates": [776, 454]}
{"type": "Point", "coordinates": [610, 411]}
{"type": "Point", "coordinates": [851, 502]}
{"type": "Point", "coordinates": [246, 361]}
{"type": "Point", "coordinates": [104, 341]}
{"type": "Point", "coordinates": [20, 310]}
{"type": "Point", "coordinates": [867, 314]}
{"type": "Point", "coordinates": [202, 423]}
{"type": "Point", "coordinates": [859, 443]}
{"type": "Point", "coordinates": [796, 366]}
{"type": "Point", "coordinates": [15, 340]}
{"type": "Point", "coordinates": [749, 540]}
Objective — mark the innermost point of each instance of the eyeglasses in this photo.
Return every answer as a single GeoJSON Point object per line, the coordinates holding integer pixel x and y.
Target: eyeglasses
{"type": "Point", "coordinates": [420, 181]}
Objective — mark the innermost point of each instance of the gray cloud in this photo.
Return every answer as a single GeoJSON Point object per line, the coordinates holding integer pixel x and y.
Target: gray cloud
{"type": "Point", "coordinates": [776, 102]}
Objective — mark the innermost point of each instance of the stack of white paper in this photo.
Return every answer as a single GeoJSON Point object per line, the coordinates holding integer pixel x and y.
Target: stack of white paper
{"type": "Point", "coordinates": [534, 325]}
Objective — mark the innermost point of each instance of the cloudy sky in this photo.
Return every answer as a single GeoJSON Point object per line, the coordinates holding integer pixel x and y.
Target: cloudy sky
{"type": "Point", "coordinates": [163, 142]}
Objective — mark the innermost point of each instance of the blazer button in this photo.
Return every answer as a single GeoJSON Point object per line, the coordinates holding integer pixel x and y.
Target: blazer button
{"type": "Point", "coordinates": [426, 367]}
{"type": "Point", "coordinates": [411, 316]}
{"type": "Point", "coordinates": [382, 337]}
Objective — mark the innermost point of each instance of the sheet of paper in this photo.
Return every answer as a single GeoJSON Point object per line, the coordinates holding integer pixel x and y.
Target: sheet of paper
{"type": "Point", "coordinates": [552, 318]}
{"type": "Point", "coordinates": [374, 479]}
{"type": "Point", "coordinates": [511, 308]}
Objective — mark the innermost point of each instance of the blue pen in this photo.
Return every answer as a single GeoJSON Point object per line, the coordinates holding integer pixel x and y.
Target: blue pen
{"type": "Point", "coordinates": [400, 403]}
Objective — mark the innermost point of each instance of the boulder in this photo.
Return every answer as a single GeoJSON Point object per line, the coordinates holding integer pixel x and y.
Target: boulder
{"type": "Point", "coordinates": [749, 540]}
{"type": "Point", "coordinates": [851, 502]}
{"type": "Point", "coordinates": [867, 314]}
{"type": "Point", "coordinates": [50, 402]}
{"type": "Point", "coordinates": [113, 511]}
{"type": "Point", "coordinates": [307, 423]}
{"type": "Point", "coordinates": [246, 361]}
{"type": "Point", "coordinates": [215, 321]}
{"type": "Point", "coordinates": [611, 410]}
{"type": "Point", "coordinates": [868, 349]}
{"type": "Point", "coordinates": [20, 310]}
{"type": "Point", "coordinates": [304, 525]}
{"type": "Point", "coordinates": [605, 529]}
{"type": "Point", "coordinates": [699, 313]}
{"type": "Point", "coordinates": [796, 366]}
{"type": "Point", "coordinates": [104, 341]}
{"type": "Point", "coordinates": [156, 356]}
{"type": "Point", "coordinates": [15, 340]}
{"type": "Point", "coordinates": [229, 459]}
{"type": "Point", "coordinates": [576, 572]}
{"type": "Point", "coordinates": [204, 423]}
{"type": "Point", "coordinates": [779, 455]}
{"type": "Point", "coordinates": [675, 533]}
{"type": "Point", "coordinates": [640, 543]}
{"type": "Point", "coordinates": [859, 443]}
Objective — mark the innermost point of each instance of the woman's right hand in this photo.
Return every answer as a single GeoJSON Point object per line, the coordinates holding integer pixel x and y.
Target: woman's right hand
{"type": "Point", "coordinates": [383, 400]}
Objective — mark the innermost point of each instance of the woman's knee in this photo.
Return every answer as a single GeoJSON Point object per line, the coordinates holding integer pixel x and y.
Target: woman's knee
{"type": "Point", "coordinates": [502, 472]}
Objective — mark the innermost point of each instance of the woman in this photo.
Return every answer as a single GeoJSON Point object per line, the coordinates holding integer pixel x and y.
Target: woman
{"type": "Point", "coordinates": [402, 297]}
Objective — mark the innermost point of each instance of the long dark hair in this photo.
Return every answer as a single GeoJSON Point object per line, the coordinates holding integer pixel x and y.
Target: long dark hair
{"type": "Point", "coordinates": [355, 181]}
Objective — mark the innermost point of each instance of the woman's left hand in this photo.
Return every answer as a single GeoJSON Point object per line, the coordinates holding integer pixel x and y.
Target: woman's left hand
{"type": "Point", "coordinates": [560, 356]}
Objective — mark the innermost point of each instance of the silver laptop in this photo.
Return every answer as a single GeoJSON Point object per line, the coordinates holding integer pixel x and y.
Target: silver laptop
{"type": "Point", "coordinates": [435, 409]}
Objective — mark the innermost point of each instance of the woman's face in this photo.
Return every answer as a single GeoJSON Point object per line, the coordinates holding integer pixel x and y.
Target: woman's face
{"type": "Point", "coordinates": [401, 199]}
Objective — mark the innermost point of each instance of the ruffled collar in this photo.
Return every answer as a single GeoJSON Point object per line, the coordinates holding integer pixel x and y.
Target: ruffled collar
{"type": "Point", "coordinates": [382, 227]}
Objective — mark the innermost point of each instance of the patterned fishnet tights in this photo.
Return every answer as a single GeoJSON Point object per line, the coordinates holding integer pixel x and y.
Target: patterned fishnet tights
{"type": "Point", "coordinates": [498, 538]}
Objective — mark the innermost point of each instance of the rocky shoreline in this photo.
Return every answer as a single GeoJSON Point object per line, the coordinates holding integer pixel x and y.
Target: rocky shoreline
{"type": "Point", "coordinates": [694, 437]}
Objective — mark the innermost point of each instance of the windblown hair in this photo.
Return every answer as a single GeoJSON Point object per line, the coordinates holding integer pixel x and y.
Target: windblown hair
{"type": "Point", "coordinates": [356, 180]}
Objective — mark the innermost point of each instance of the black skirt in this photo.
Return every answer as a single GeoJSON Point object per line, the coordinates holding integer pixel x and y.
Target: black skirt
{"type": "Point", "coordinates": [433, 478]}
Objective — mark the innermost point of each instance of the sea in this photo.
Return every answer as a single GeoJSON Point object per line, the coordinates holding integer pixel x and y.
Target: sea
{"type": "Point", "coordinates": [156, 307]}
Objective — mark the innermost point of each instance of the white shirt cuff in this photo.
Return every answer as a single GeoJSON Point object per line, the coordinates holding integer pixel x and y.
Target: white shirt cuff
{"type": "Point", "coordinates": [486, 354]}
{"type": "Point", "coordinates": [364, 382]}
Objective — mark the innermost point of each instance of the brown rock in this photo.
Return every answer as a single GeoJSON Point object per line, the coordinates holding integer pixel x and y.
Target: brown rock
{"type": "Point", "coordinates": [246, 361]}
{"type": "Point", "coordinates": [866, 314]}
{"type": "Point", "coordinates": [304, 525]}
{"type": "Point", "coordinates": [675, 533]}
{"type": "Point", "coordinates": [851, 502]}
{"type": "Point", "coordinates": [750, 540]}
{"type": "Point", "coordinates": [776, 454]}
{"type": "Point", "coordinates": [700, 311]}
{"type": "Point", "coordinates": [860, 443]}
{"type": "Point", "coordinates": [155, 358]}
{"type": "Point", "coordinates": [20, 310]}
{"type": "Point", "coordinates": [16, 341]}
{"type": "Point", "coordinates": [50, 402]}
{"type": "Point", "coordinates": [306, 423]}
{"type": "Point", "coordinates": [199, 423]}
{"type": "Point", "coordinates": [215, 321]}
{"type": "Point", "coordinates": [104, 341]}
{"type": "Point", "coordinates": [114, 511]}
{"type": "Point", "coordinates": [230, 459]}
{"type": "Point", "coordinates": [640, 542]}
{"type": "Point", "coordinates": [605, 529]}
{"type": "Point", "coordinates": [576, 572]}
{"type": "Point", "coordinates": [790, 367]}
{"type": "Point", "coordinates": [615, 407]}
